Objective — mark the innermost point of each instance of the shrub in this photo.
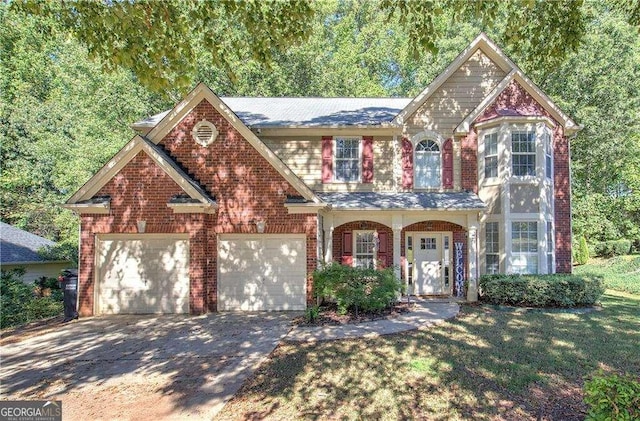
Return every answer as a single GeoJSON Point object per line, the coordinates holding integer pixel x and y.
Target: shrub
{"type": "Point", "coordinates": [612, 397]}
{"type": "Point", "coordinates": [356, 288]}
{"type": "Point", "coordinates": [541, 290]}
{"type": "Point", "coordinates": [311, 314]}
{"type": "Point", "coordinates": [582, 251]}
{"type": "Point", "coordinates": [612, 248]}
{"type": "Point", "coordinates": [19, 302]}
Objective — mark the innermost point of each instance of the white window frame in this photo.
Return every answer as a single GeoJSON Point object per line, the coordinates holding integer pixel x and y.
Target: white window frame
{"type": "Point", "coordinates": [493, 252]}
{"type": "Point", "coordinates": [527, 130]}
{"type": "Point", "coordinates": [528, 255]}
{"type": "Point", "coordinates": [547, 139]}
{"type": "Point", "coordinates": [550, 246]}
{"type": "Point", "coordinates": [358, 159]}
{"type": "Point", "coordinates": [373, 254]}
{"type": "Point", "coordinates": [487, 154]}
{"type": "Point", "coordinates": [427, 136]}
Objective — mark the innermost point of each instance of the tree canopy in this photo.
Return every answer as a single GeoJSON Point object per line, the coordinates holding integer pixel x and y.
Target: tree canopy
{"type": "Point", "coordinates": [64, 114]}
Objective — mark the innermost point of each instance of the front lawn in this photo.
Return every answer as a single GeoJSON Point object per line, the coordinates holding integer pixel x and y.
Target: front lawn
{"type": "Point", "coordinates": [621, 273]}
{"type": "Point", "coordinates": [484, 364]}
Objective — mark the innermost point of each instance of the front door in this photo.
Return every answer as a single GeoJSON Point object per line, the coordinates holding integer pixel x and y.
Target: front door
{"type": "Point", "coordinates": [428, 264]}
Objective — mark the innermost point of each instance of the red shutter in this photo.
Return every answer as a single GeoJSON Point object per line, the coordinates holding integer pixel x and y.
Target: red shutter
{"type": "Point", "coordinates": [367, 159]}
{"type": "Point", "coordinates": [327, 159]}
{"type": "Point", "coordinates": [382, 249]}
{"type": "Point", "coordinates": [347, 248]}
{"type": "Point", "coordinates": [407, 163]}
{"type": "Point", "coordinates": [447, 164]}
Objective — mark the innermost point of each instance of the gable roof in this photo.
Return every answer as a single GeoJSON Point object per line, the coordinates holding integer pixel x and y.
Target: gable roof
{"type": "Point", "coordinates": [21, 247]}
{"type": "Point", "coordinates": [202, 92]}
{"type": "Point", "coordinates": [488, 47]}
{"type": "Point", "coordinates": [516, 75]}
{"type": "Point", "coordinates": [123, 157]}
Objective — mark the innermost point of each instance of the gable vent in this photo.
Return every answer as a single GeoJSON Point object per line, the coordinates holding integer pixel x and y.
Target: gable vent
{"type": "Point", "coordinates": [204, 133]}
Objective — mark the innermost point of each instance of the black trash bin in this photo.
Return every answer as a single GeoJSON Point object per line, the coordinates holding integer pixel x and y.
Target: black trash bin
{"type": "Point", "coordinates": [69, 285]}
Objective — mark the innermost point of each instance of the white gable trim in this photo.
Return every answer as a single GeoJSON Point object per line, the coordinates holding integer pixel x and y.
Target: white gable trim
{"type": "Point", "coordinates": [516, 74]}
{"type": "Point", "coordinates": [202, 92]}
{"type": "Point", "coordinates": [481, 42]}
{"type": "Point", "coordinates": [122, 158]}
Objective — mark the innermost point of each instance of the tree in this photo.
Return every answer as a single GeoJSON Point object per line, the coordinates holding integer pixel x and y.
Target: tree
{"type": "Point", "coordinates": [61, 119]}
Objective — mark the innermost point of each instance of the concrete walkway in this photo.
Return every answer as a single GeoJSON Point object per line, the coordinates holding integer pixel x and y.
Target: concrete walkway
{"type": "Point", "coordinates": [425, 313]}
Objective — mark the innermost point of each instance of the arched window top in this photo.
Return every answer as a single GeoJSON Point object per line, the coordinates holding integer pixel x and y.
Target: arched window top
{"type": "Point", "coordinates": [427, 146]}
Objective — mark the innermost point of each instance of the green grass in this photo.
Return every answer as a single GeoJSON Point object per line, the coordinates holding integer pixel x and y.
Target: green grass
{"type": "Point", "coordinates": [485, 364]}
{"type": "Point", "coordinates": [621, 273]}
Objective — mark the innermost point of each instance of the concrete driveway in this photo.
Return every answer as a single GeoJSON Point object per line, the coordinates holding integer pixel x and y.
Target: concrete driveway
{"type": "Point", "coordinates": [141, 367]}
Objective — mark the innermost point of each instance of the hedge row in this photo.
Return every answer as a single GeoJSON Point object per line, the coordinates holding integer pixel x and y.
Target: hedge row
{"type": "Point", "coordinates": [612, 248]}
{"type": "Point", "coordinates": [541, 290]}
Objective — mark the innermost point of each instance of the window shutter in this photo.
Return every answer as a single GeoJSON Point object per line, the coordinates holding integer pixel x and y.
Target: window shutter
{"type": "Point", "coordinates": [327, 159]}
{"type": "Point", "coordinates": [407, 163]}
{"type": "Point", "coordinates": [447, 164]}
{"type": "Point", "coordinates": [347, 248]}
{"type": "Point", "coordinates": [367, 159]}
{"type": "Point", "coordinates": [382, 249]}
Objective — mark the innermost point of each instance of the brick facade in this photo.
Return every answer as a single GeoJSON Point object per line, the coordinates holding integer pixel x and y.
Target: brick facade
{"type": "Point", "coordinates": [246, 188]}
{"type": "Point", "coordinates": [362, 225]}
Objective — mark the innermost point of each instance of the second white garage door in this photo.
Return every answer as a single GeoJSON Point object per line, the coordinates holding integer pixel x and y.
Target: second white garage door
{"type": "Point", "coordinates": [139, 274]}
{"type": "Point", "coordinates": [262, 272]}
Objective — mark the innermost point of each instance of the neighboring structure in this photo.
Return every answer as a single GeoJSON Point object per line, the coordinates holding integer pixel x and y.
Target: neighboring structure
{"type": "Point", "coordinates": [19, 248]}
{"type": "Point", "coordinates": [232, 203]}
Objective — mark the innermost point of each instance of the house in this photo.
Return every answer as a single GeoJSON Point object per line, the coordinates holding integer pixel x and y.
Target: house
{"type": "Point", "coordinates": [19, 249]}
{"type": "Point", "coordinates": [232, 203]}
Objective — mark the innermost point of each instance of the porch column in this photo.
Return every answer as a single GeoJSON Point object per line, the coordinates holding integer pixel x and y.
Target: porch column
{"type": "Point", "coordinates": [472, 241]}
{"type": "Point", "coordinates": [396, 226]}
{"type": "Point", "coordinates": [328, 238]}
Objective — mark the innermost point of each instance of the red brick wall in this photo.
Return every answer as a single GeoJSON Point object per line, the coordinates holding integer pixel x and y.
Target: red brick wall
{"type": "Point", "coordinates": [246, 188]}
{"type": "Point", "coordinates": [361, 225]}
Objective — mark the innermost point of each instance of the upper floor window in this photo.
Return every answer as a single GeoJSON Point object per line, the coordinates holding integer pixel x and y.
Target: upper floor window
{"type": "Point", "coordinates": [427, 164]}
{"type": "Point", "coordinates": [548, 155]}
{"type": "Point", "coordinates": [523, 151]}
{"type": "Point", "coordinates": [347, 159]}
{"type": "Point", "coordinates": [491, 155]}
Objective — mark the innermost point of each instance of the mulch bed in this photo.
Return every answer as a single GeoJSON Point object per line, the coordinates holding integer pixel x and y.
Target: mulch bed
{"type": "Point", "coordinates": [329, 315]}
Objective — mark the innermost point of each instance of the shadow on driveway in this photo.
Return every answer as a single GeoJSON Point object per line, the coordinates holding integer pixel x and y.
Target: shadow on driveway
{"type": "Point", "coordinates": [138, 367]}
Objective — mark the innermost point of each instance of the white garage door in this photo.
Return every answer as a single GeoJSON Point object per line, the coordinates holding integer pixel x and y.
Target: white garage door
{"type": "Point", "coordinates": [262, 273]}
{"type": "Point", "coordinates": [142, 274]}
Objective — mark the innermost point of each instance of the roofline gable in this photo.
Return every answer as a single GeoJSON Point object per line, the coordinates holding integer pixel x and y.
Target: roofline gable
{"type": "Point", "coordinates": [481, 42]}
{"type": "Point", "coordinates": [518, 76]}
{"type": "Point", "coordinates": [203, 92]}
{"type": "Point", "coordinates": [122, 158]}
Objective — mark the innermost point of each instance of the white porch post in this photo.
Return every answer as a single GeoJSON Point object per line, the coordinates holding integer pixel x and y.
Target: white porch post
{"type": "Point", "coordinates": [328, 238]}
{"type": "Point", "coordinates": [472, 241]}
{"type": "Point", "coordinates": [396, 226]}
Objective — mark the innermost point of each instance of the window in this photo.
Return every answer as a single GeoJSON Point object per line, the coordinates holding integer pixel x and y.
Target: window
{"type": "Point", "coordinates": [427, 244]}
{"type": "Point", "coordinates": [523, 151]}
{"type": "Point", "coordinates": [427, 165]}
{"type": "Point", "coordinates": [524, 247]}
{"type": "Point", "coordinates": [491, 155]}
{"type": "Point", "coordinates": [548, 155]}
{"type": "Point", "coordinates": [347, 159]}
{"type": "Point", "coordinates": [550, 248]}
{"type": "Point", "coordinates": [365, 249]}
{"type": "Point", "coordinates": [492, 247]}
